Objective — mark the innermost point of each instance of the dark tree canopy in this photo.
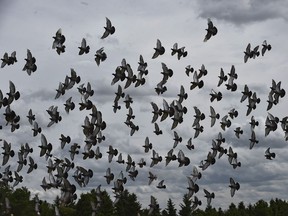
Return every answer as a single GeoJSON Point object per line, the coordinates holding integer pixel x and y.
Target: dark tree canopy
{"type": "Point", "coordinates": [22, 203]}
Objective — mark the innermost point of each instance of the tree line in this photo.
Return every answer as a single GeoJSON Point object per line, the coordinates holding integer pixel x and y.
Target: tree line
{"type": "Point", "coordinates": [22, 203]}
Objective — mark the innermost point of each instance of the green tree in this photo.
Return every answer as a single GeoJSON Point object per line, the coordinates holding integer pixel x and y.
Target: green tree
{"type": "Point", "coordinates": [46, 209]}
{"type": "Point", "coordinates": [220, 212]}
{"type": "Point", "coordinates": [279, 207]}
{"type": "Point", "coordinates": [211, 211]}
{"type": "Point", "coordinates": [156, 212]}
{"type": "Point", "coordinates": [186, 206]}
{"type": "Point", "coordinates": [83, 206]}
{"type": "Point", "coordinates": [21, 203]}
{"type": "Point", "coordinates": [5, 191]}
{"type": "Point", "coordinates": [242, 209]}
{"type": "Point", "coordinates": [199, 212]}
{"type": "Point", "coordinates": [261, 208]}
{"type": "Point", "coordinates": [68, 211]}
{"type": "Point", "coordinates": [232, 210]}
{"type": "Point", "coordinates": [106, 204]}
{"type": "Point", "coordinates": [170, 210]}
{"type": "Point", "coordinates": [127, 204]}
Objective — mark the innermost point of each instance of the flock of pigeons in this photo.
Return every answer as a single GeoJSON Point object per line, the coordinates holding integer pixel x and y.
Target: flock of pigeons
{"type": "Point", "coordinates": [65, 175]}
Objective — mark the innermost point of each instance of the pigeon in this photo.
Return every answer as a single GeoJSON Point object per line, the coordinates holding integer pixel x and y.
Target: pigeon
{"type": "Point", "coordinates": [142, 66]}
{"type": "Point", "coordinates": [30, 65]}
{"type": "Point", "coordinates": [196, 83]}
{"type": "Point", "coordinates": [69, 105]}
{"type": "Point", "coordinates": [235, 163]}
{"type": "Point", "coordinates": [166, 111]}
{"type": "Point", "coordinates": [153, 205]}
{"type": "Point", "coordinates": [119, 93]}
{"type": "Point", "coordinates": [13, 94]}
{"type": "Point", "coordinates": [36, 129]}
{"type": "Point", "coordinates": [215, 95]}
{"type": "Point", "coordinates": [133, 173]}
{"type": "Point", "coordinates": [161, 88]}
{"type": "Point", "coordinates": [109, 176]}
{"type": "Point", "coordinates": [45, 146]}
{"type": "Point", "coordinates": [255, 53]}
{"type": "Point", "coordinates": [195, 174]}
{"type": "Point", "coordinates": [253, 123]}
{"type": "Point", "coordinates": [180, 51]}
{"type": "Point", "coordinates": [118, 75]}
{"type": "Point", "coordinates": [271, 124]}
{"type": "Point", "coordinates": [247, 53]}
{"type": "Point", "coordinates": [128, 101]}
{"type": "Point", "coordinates": [64, 140]}
{"type": "Point", "coordinates": [195, 203]}
{"type": "Point", "coordinates": [74, 78]}
{"type": "Point", "coordinates": [192, 187]}
{"type": "Point", "coordinates": [59, 39]}
{"type": "Point", "coordinates": [155, 158]}
{"type": "Point", "coordinates": [151, 177]}
{"type": "Point", "coordinates": [159, 50]}
{"type": "Point", "coordinates": [233, 186]}
{"type": "Point", "coordinates": [189, 145]}
{"type": "Point", "coordinates": [211, 30]}
{"type": "Point", "coordinates": [199, 116]}
{"type": "Point", "coordinates": [170, 156]}
{"type": "Point", "coordinates": [111, 152]}
{"type": "Point", "coordinates": [109, 29]}
{"type": "Point", "coordinates": [8, 60]}
{"type": "Point", "coordinates": [98, 154]}
{"type": "Point", "coordinates": [100, 56]}
{"type": "Point", "coordinates": [54, 115]}
{"type": "Point", "coordinates": [157, 130]}
{"type": "Point", "coordinates": [8, 152]}
{"type": "Point", "coordinates": [60, 91]}
{"type": "Point", "coordinates": [25, 150]}
{"type": "Point", "coordinates": [189, 69]}
{"type": "Point", "coordinates": [222, 78]}
{"type": "Point", "coordinates": [213, 116]}
{"type": "Point", "coordinates": [83, 48]}
{"type": "Point", "coordinates": [231, 155]}
{"type": "Point", "coordinates": [161, 185]}
{"type": "Point", "coordinates": [198, 129]}
{"type": "Point", "coordinates": [209, 196]}
{"type": "Point", "coordinates": [216, 147]}
{"type": "Point", "coordinates": [32, 165]}
{"type": "Point", "coordinates": [277, 91]}
{"type": "Point", "coordinates": [167, 72]}
{"type": "Point", "coordinates": [130, 163]}
{"type": "Point", "coordinates": [269, 155]}
{"type": "Point", "coordinates": [31, 117]}
{"type": "Point", "coordinates": [17, 179]}
{"type": "Point", "coordinates": [202, 71]}
{"type": "Point", "coordinates": [141, 163]}
{"type": "Point", "coordinates": [225, 122]}
{"type": "Point", "coordinates": [238, 131]}
{"type": "Point", "coordinates": [21, 162]}
{"type": "Point", "coordinates": [233, 113]}
{"type": "Point", "coordinates": [176, 139]}
{"type": "Point", "coordinates": [265, 47]}
{"type": "Point", "coordinates": [182, 95]}
{"type": "Point", "coordinates": [253, 139]}
{"type": "Point", "coordinates": [246, 93]}
{"type": "Point", "coordinates": [182, 159]}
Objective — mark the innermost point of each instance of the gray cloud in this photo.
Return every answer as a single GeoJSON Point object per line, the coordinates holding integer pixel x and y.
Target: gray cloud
{"type": "Point", "coordinates": [243, 12]}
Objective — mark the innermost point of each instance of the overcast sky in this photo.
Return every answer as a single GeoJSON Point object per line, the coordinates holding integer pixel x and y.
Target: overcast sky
{"type": "Point", "coordinates": [31, 25]}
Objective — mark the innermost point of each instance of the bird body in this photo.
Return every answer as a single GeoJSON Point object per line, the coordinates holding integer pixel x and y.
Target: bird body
{"type": "Point", "coordinates": [211, 30]}
{"type": "Point", "coordinates": [109, 29]}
